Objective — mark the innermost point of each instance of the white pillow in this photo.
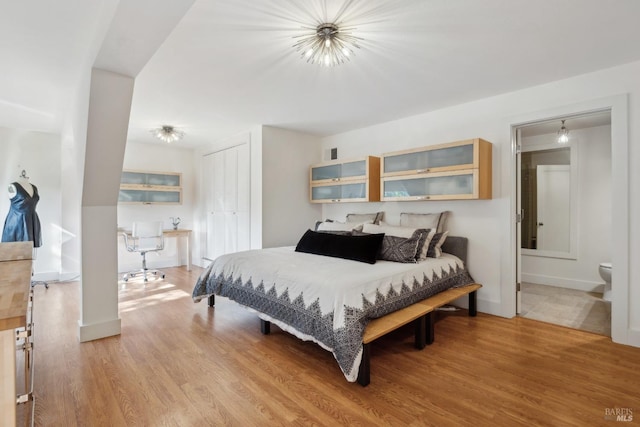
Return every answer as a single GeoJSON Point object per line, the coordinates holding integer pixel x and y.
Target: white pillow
{"type": "Point", "coordinates": [437, 220]}
{"type": "Point", "coordinates": [375, 218]}
{"type": "Point", "coordinates": [391, 230]}
{"type": "Point", "coordinates": [339, 226]}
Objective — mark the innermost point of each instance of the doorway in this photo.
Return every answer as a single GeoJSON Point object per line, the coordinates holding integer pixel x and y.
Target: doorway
{"type": "Point", "coordinates": [564, 196]}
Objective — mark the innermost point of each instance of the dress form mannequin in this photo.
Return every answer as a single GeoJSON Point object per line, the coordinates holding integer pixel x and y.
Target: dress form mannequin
{"type": "Point", "coordinates": [23, 180]}
{"type": "Point", "coordinates": [22, 223]}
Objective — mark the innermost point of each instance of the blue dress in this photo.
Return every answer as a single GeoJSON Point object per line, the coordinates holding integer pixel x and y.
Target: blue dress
{"type": "Point", "coordinates": [22, 223]}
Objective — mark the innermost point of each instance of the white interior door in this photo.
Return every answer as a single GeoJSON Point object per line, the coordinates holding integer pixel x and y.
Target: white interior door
{"type": "Point", "coordinates": [554, 207]}
{"type": "Point", "coordinates": [226, 181]}
{"type": "Point", "coordinates": [243, 202]}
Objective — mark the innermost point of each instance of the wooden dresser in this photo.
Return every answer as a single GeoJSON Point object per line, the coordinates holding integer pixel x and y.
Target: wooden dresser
{"type": "Point", "coordinates": [15, 289]}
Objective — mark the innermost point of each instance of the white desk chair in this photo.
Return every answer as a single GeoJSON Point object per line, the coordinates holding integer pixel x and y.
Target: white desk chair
{"type": "Point", "coordinates": [145, 237]}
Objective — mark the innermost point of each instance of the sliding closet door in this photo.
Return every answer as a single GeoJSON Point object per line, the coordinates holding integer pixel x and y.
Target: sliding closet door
{"type": "Point", "coordinates": [226, 175]}
{"type": "Point", "coordinates": [244, 199]}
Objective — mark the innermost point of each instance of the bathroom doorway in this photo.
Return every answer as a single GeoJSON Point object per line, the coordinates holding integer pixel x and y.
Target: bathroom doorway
{"type": "Point", "coordinates": [564, 194]}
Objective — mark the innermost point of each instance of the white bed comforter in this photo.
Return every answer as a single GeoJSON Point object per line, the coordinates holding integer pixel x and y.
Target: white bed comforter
{"type": "Point", "coordinates": [323, 299]}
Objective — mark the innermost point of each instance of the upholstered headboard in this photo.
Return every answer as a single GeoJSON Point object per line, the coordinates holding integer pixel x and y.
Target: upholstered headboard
{"type": "Point", "coordinates": [457, 246]}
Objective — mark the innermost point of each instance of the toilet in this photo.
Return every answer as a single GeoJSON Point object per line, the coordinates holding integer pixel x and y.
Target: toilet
{"type": "Point", "coordinates": [605, 272]}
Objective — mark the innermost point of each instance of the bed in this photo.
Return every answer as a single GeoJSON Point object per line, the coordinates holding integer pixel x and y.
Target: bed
{"type": "Point", "coordinates": [329, 300]}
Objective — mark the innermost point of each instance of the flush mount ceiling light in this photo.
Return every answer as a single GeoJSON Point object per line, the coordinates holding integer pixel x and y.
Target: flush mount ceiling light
{"type": "Point", "coordinates": [563, 134]}
{"type": "Point", "coordinates": [167, 134]}
{"type": "Point", "coordinates": [327, 44]}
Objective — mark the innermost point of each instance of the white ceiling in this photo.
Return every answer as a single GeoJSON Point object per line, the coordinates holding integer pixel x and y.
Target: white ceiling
{"type": "Point", "coordinates": [229, 64]}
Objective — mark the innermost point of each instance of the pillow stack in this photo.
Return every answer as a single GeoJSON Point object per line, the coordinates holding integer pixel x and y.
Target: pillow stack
{"type": "Point", "coordinates": [436, 220]}
{"type": "Point", "coordinates": [402, 244]}
{"type": "Point", "coordinates": [419, 236]}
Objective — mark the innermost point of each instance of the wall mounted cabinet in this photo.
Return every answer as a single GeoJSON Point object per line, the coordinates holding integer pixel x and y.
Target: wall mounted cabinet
{"type": "Point", "coordinates": [338, 181]}
{"type": "Point", "coordinates": [452, 171]}
{"type": "Point", "coordinates": [138, 187]}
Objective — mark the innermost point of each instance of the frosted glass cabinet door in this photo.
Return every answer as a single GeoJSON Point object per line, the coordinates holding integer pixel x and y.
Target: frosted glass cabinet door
{"type": "Point", "coordinates": [149, 179]}
{"type": "Point", "coordinates": [452, 156]}
{"type": "Point", "coordinates": [354, 169]}
{"type": "Point", "coordinates": [445, 186]}
{"type": "Point", "coordinates": [340, 171]}
{"type": "Point", "coordinates": [323, 173]}
{"type": "Point", "coordinates": [148, 197]}
{"type": "Point", "coordinates": [150, 187]}
{"type": "Point", "coordinates": [339, 193]}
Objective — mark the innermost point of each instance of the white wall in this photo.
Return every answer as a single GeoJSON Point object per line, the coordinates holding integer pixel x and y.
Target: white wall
{"type": "Point", "coordinates": [593, 217]}
{"type": "Point", "coordinates": [35, 152]}
{"type": "Point", "coordinates": [488, 224]}
{"type": "Point", "coordinates": [286, 211]}
{"type": "Point", "coordinates": [159, 158]}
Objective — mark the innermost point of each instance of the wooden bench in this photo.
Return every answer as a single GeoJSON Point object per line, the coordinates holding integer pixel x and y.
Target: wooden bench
{"type": "Point", "coordinates": [422, 313]}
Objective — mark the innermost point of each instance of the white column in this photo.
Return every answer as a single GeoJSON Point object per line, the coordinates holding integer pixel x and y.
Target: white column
{"type": "Point", "coordinates": [108, 121]}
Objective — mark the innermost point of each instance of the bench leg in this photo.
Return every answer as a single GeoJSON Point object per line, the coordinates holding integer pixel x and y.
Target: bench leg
{"type": "Point", "coordinates": [265, 327]}
{"type": "Point", "coordinates": [430, 319]}
{"type": "Point", "coordinates": [211, 300]}
{"type": "Point", "coordinates": [421, 332]}
{"type": "Point", "coordinates": [473, 303]}
{"type": "Point", "coordinates": [364, 372]}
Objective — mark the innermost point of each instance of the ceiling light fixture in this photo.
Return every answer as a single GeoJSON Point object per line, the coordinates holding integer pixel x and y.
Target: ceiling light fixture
{"type": "Point", "coordinates": [167, 134]}
{"type": "Point", "coordinates": [327, 44]}
{"type": "Point", "coordinates": [563, 134]}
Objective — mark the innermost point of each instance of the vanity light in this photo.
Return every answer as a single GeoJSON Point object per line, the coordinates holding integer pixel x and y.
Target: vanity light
{"type": "Point", "coordinates": [563, 134]}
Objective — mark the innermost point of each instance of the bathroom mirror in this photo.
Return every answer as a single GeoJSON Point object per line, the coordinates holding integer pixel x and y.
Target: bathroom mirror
{"type": "Point", "coordinates": [548, 178]}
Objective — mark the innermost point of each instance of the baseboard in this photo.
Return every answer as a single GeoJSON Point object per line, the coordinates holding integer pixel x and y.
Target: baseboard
{"type": "Point", "coordinates": [561, 282]}
{"type": "Point", "coordinates": [96, 331]}
{"type": "Point", "coordinates": [634, 337]}
{"type": "Point", "coordinates": [69, 276]}
{"type": "Point", "coordinates": [47, 276]}
{"type": "Point", "coordinates": [203, 262]}
{"type": "Point", "coordinates": [123, 268]}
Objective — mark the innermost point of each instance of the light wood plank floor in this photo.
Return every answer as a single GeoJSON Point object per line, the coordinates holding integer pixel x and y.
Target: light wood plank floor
{"type": "Point", "coordinates": [178, 363]}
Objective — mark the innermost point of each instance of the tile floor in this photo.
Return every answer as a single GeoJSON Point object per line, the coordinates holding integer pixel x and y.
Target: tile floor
{"type": "Point", "coordinates": [567, 307]}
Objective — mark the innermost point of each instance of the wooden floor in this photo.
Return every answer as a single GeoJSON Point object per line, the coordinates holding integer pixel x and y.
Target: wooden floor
{"type": "Point", "coordinates": [178, 363]}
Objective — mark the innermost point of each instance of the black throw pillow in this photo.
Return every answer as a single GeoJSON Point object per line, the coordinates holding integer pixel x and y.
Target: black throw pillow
{"type": "Point", "coordinates": [356, 248]}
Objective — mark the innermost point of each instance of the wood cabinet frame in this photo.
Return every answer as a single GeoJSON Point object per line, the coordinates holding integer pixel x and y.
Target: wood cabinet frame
{"type": "Point", "coordinates": [480, 168]}
{"type": "Point", "coordinates": [371, 179]}
{"type": "Point", "coordinates": [152, 188]}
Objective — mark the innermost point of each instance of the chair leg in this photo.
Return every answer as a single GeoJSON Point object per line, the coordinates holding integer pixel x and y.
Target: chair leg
{"type": "Point", "coordinates": [144, 271]}
{"type": "Point", "coordinates": [144, 266]}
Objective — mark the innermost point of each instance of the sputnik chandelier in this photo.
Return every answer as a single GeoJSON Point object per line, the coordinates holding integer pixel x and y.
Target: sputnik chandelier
{"type": "Point", "coordinates": [167, 134]}
{"type": "Point", "coordinates": [327, 44]}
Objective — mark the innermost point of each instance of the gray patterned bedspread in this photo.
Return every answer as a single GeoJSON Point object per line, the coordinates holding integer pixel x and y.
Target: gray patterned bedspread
{"type": "Point", "coordinates": [326, 300]}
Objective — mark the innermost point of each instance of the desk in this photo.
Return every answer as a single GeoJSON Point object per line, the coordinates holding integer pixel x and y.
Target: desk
{"type": "Point", "coordinates": [15, 284]}
{"type": "Point", "coordinates": [181, 232]}
{"type": "Point", "coordinates": [177, 234]}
